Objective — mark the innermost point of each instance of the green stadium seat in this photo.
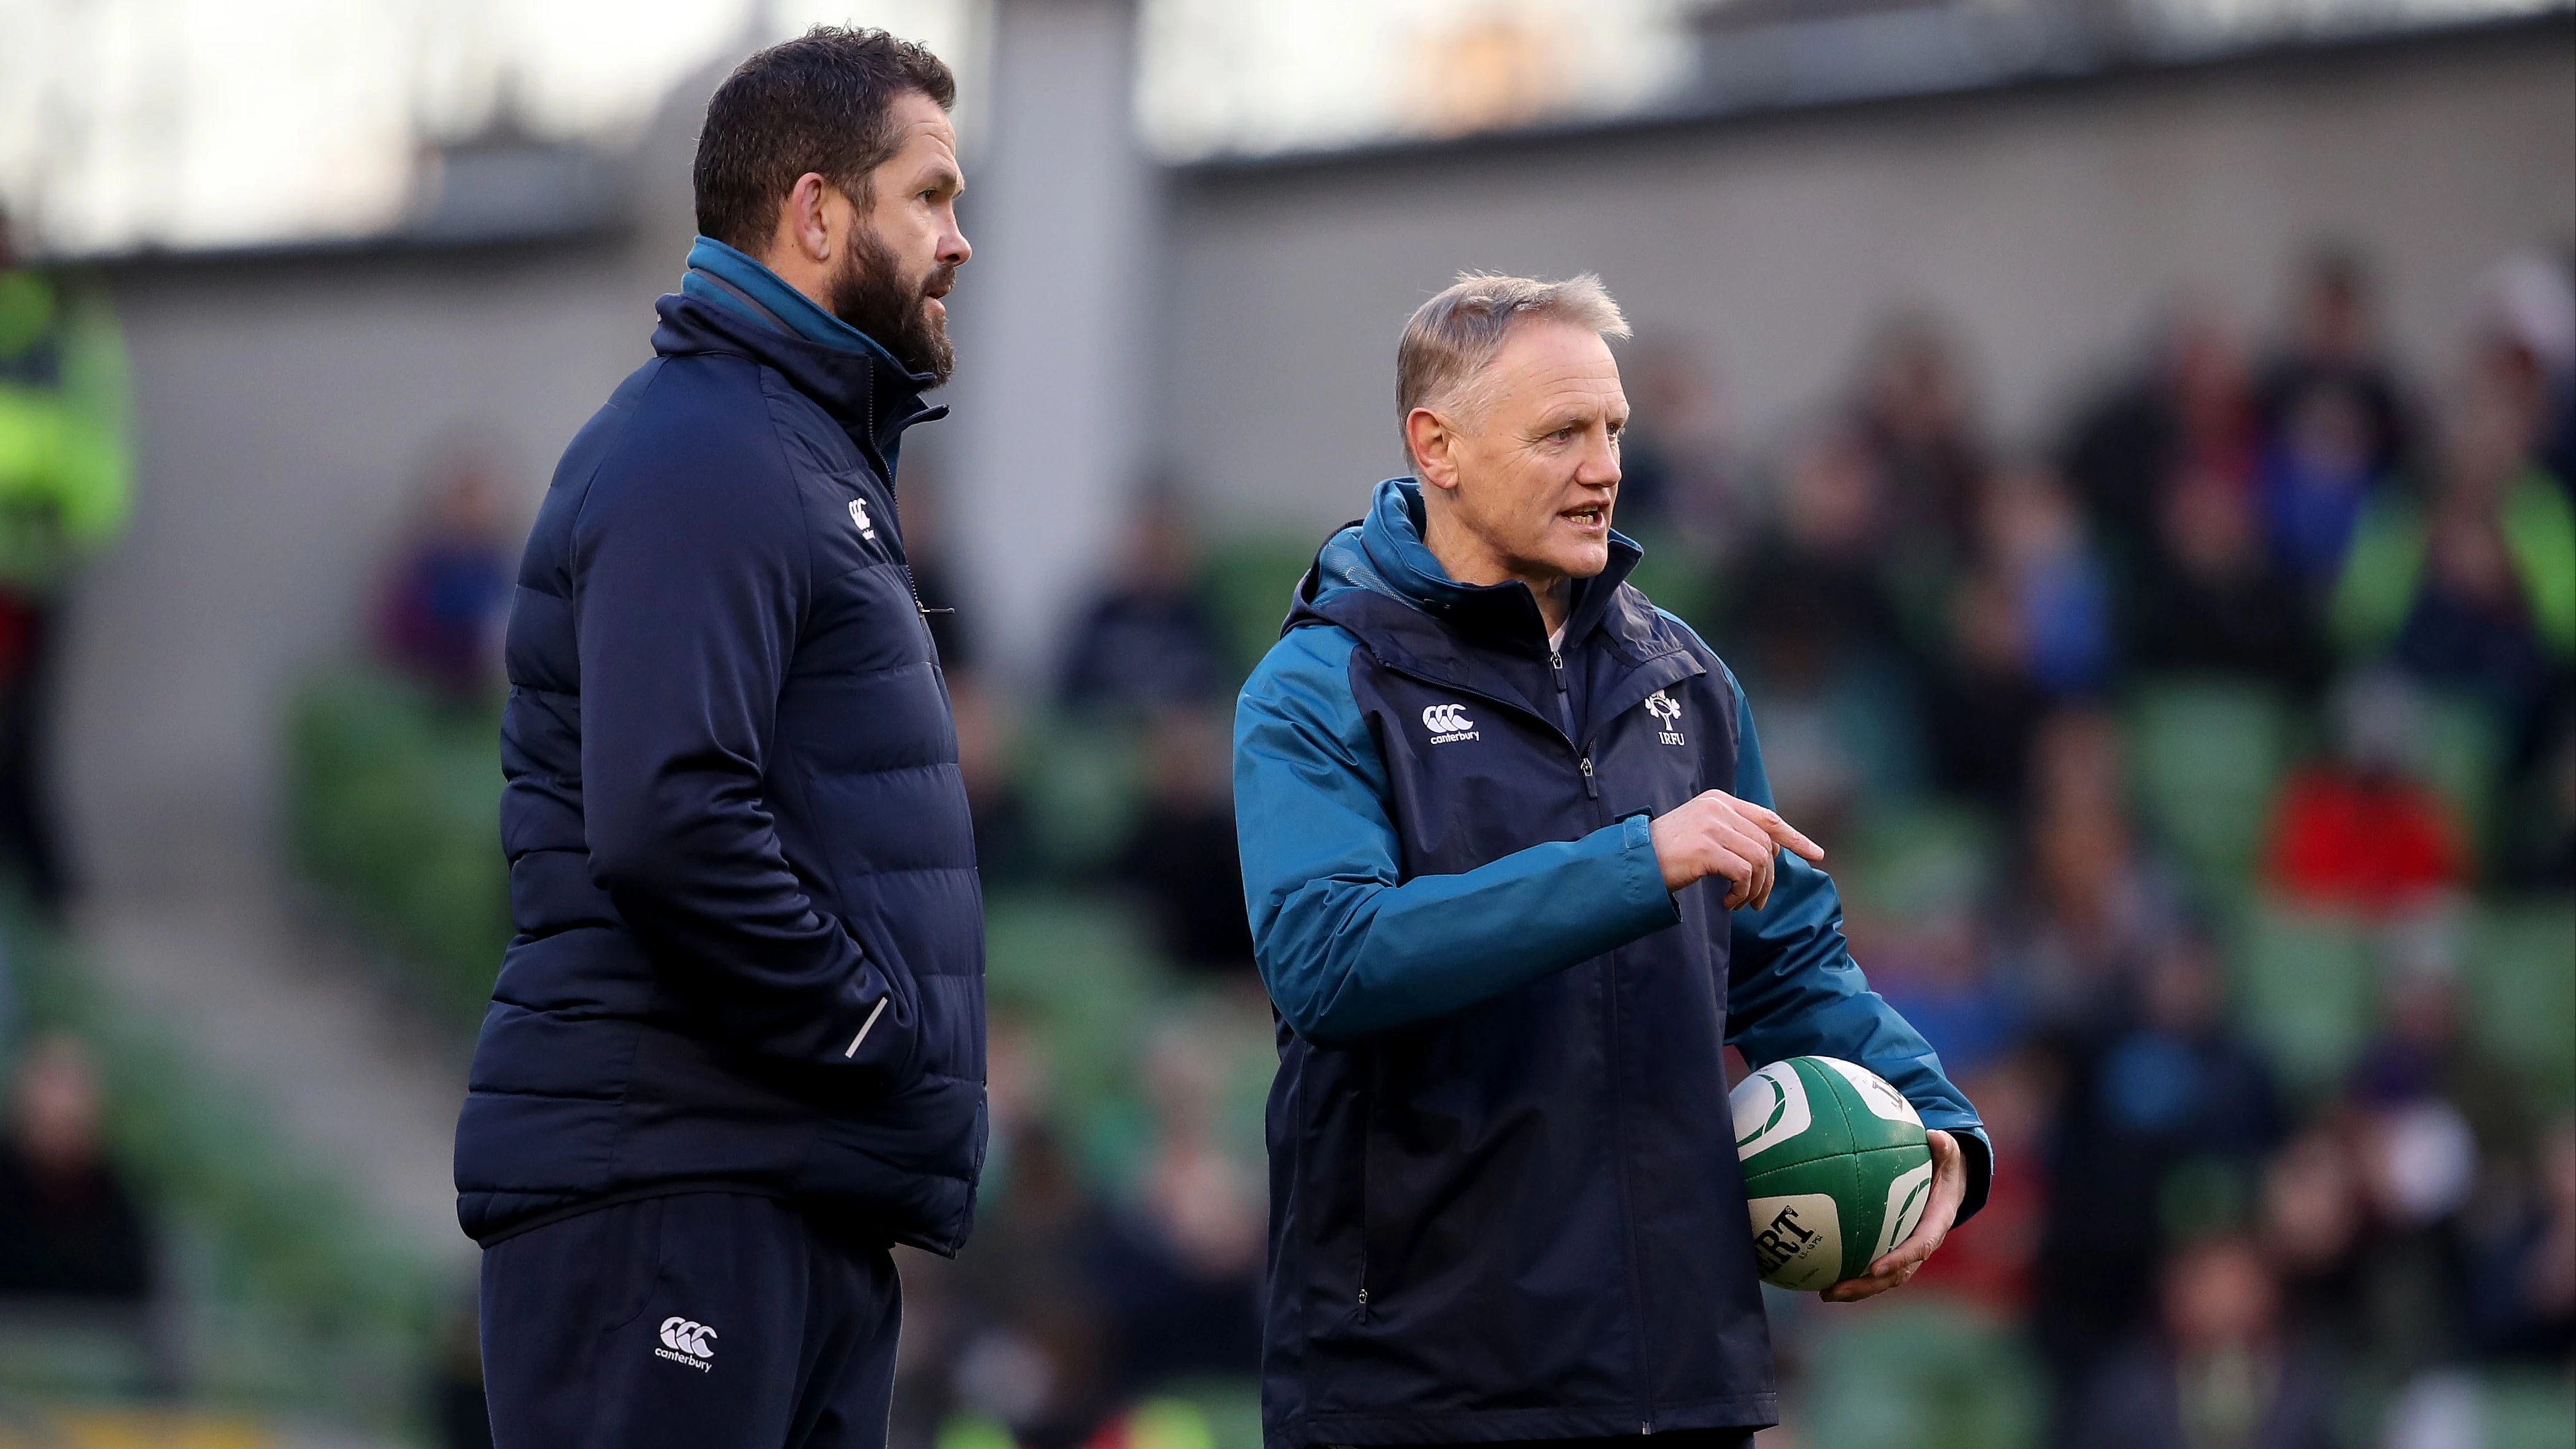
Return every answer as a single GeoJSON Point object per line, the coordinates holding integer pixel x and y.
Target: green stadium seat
{"type": "Point", "coordinates": [2307, 989]}
{"type": "Point", "coordinates": [2519, 978]}
{"type": "Point", "coordinates": [2464, 744]}
{"type": "Point", "coordinates": [1078, 972]}
{"type": "Point", "coordinates": [1231, 1409]}
{"type": "Point", "coordinates": [1917, 861]}
{"type": "Point", "coordinates": [2529, 1409]}
{"type": "Point", "coordinates": [1923, 1374]}
{"type": "Point", "coordinates": [393, 810]}
{"type": "Point", "coordinates": [287, 1296]}
{"type": "Point", "coordinates": [1251, 578]}
{"type": "Point", "coordinates": [2204, 758]}
{"type": "Point", "coordinates": [1082, 782]}
{"type": "Point", "coordinates": [1674, 576]}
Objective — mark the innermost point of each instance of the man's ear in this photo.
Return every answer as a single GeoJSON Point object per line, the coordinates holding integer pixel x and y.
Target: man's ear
{"type": "Point", "coordinates": [805, 219]}
{"type": "Point", "coordinates": [1434, 448]}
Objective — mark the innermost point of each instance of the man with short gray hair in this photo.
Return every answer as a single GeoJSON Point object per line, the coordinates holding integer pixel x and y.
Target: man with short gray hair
{"type": "Point", "coordinates": [1515, 884]}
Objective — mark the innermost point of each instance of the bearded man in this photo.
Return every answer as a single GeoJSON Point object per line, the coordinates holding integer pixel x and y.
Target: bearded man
{"type": "Point", "coordinates": [1515, 885]}
{"type": "Point", "coordinates": [736, 1050]}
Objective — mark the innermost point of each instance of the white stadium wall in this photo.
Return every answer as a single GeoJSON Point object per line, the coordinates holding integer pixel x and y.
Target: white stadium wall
{"type": "Point", "coordinates": [287, 408]}
{"type": "Point", "coordinates": [2047, 224]}
{"type": "Point", "coordinates": [288, 404]}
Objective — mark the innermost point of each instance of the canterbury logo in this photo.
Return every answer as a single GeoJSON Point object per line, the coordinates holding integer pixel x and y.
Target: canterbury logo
{"type": "Point", "coordinates": [1446, 719]}
{"type": "Point", "coordinates": [686, 1341]}
{"type": "Point", "coordinates": [859, 516]}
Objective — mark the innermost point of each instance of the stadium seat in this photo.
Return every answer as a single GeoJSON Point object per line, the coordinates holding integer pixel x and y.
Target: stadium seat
{"type": "Point", "coordinates": [1078, 972]}
{"type": "Point", "coordinates": [2306, 991]}
{"type": "Point", "coordinates": [1928, 1373]}
{"type": "Point", "coordinates": [1082, 782]}
{"type": "Point", "coordinates": [1231, 1409]}
{"type": "Point", "coordinates": [2519, 977]}
{"type": "Point", "coordinates": [2463, 760]}
{"type": "Point", "coordinates": [285, 1296]}
{"type": "Point", "coordinates": [2204, 757]}
{"type": "Point", "coordinates": [1673, 576]}
{"type": "Point", "coordinates": [1904, 864]}
{"type": "Point", "coordinates": [393, 808]}
{"type": "Point", "coordinates": [2525, 1409]}
{"type": "Point", "coordinates": [1251, 578]}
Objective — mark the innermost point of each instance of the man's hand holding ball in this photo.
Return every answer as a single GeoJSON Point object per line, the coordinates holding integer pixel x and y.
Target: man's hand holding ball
{"type": "Point", "coordinates": [1715, 833]}
{"type": "Point", "coordinates": [1902, 1262]}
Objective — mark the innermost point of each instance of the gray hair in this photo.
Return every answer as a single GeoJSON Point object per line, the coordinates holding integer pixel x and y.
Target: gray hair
{"type": "Point", "coordinates": [1454, 336]}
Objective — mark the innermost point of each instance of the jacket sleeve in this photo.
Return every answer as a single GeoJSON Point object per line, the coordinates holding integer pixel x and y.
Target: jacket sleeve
{"type": "Point", "coordinates": [1794, 990]}
{"type": "Point", "coordinates": [1347, 947]}
{"type": "Point", "coordinates": [690, 587]}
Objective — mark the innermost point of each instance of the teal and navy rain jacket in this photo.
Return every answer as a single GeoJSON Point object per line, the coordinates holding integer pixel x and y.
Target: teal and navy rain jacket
{"type": "Point", "coordinates": [1504, 1194]}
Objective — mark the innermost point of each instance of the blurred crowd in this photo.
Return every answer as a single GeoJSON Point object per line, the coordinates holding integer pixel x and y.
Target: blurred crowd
{"type": "Point", "coordinates": [2060, 652]}
{"type": "Point", "coordinates": [2244, 696]}
{"type": "Point", "coordinates": [2252, 684]}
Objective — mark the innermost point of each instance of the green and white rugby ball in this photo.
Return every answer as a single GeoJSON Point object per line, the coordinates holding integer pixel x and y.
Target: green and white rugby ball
{"type": "Point", "coordinates": [1836, 1169]}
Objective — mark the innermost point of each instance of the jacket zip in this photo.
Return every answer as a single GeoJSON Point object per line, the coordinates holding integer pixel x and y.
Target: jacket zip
{"type": "Point", "coordinates": [1619, 1150]}
{"type": "Point", "coordinates": [1618, 1118]}
{"type": "Point", "coordinates": [1565, 706]}
{"type": "Point", "coordinates": [909, 581]}
{"type": "Point", "coordinates": [1627, 1209]}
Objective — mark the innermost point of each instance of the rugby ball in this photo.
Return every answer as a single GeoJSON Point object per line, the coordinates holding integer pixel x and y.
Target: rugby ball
{"type": "Point", "coordinates": [1836, 1169]}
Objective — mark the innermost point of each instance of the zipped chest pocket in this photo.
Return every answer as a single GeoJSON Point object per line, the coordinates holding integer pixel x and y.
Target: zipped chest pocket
{"type": "Point", "coordinates": [1469, 783]}
{"type": "Point", "coordinates": [1641, 771]}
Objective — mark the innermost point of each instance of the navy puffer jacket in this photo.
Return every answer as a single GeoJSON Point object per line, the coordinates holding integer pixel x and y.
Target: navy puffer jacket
{"type": "Point", "coordinates": [750, 934]}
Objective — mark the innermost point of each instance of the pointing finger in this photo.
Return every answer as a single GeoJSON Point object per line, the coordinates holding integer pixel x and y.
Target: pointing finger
{"type": "Point", "coordinates": [1781, 831]}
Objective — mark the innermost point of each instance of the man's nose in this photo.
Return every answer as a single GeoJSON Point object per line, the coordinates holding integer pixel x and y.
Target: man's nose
{"type": "Point", "coordinates": [1600, 465]}
{"type": "Point", "coordinates": [954, 248]}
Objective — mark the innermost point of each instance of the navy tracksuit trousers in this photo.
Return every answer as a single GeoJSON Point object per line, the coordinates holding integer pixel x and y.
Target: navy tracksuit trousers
{"type": "Point", "coordinates": [709, 1320]}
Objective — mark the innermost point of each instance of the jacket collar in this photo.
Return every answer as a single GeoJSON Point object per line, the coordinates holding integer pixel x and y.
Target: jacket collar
{"type": "Point", "coordinates": [1378, 579]}
{"type": "Point", "coordinates": [863, 389]}
{"type": "Point", "coordinates": [1384, 552]}
{"type": "Point", "coordinates": [741, 282]}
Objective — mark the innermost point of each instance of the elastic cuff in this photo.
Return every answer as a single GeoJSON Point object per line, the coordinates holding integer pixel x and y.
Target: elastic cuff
{"type": "Point", "coordinates": [1979, 1155]}
{"type": "Point", "coordinates": [1643, 872]}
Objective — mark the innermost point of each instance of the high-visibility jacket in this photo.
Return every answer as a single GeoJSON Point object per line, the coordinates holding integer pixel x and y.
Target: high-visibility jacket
{"type": "Point", "coordinates": [65, 471]}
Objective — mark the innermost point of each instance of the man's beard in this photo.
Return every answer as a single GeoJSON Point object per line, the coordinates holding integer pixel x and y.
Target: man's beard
{"type": "Point", "coordinates": [871, 293]}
